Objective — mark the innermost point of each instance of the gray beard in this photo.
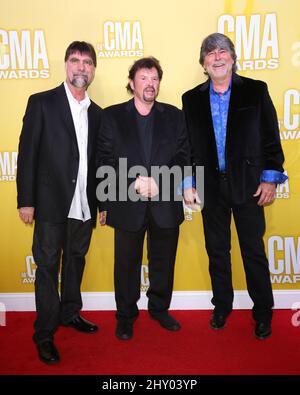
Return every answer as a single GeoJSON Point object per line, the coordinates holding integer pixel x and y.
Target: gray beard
{"type": "Point", "coordinates": [79, 82]}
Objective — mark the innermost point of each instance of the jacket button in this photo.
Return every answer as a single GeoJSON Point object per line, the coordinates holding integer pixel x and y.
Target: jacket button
{"type": "Point", "coordinates": [73, 181]}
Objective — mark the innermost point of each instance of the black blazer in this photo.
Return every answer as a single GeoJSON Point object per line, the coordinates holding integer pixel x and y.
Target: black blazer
{"type": "Point", "coordinates": [252, 139]}
{"type": "Point", "coordinates": [119, 139]}
{"type": "Point", "coordinates": [48, 157]}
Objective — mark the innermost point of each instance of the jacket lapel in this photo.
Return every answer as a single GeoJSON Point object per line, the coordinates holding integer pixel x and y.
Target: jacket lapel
{"type": "Point", "coordinates": [204, 107]}
{"type": "Point", "coordinates": [158, 129]}
{"type": "Point", "coordinates": [65, 111]}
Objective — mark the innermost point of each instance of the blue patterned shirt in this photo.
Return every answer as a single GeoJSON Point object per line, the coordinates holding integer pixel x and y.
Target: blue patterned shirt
{"type": "Point", "coordinates": [219, 104]}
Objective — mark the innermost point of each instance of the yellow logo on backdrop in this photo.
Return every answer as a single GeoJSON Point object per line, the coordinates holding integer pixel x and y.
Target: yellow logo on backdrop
{"type": "Point", "coordinates": [23, 54]}
{"type": "Point", "coordinates": [144, 278]}
{"type": "Point", "coordinates": [28, 276]}
{"type": "Point", "coordinates": [121, 39]}
{"type": "Point", "coordinates": [256, 41]}
{"type": "Point", "coordinates": [295, 60]}
{"type": "Point", "coordinates": [8, 166]}
{"type": "Point", "coordinates": [284, 259]}
{"type": "Point", "coordinates": [2, 314]}
{"type": "Point", "coordinates": [296, 316]}
{"type": "Point", "coordinates": [291, 118]}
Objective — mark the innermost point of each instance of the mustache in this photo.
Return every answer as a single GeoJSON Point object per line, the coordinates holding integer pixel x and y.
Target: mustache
{"type": "Point", "coordinates": [80, 75]}
{"type": "Point", "coordinates": [216, 64]}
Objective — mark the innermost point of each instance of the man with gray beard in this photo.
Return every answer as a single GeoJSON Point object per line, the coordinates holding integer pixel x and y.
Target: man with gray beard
{"type": "Point", "coordinates": [56, 183]}
{"type": "Point", "coordinates": [234, 134]}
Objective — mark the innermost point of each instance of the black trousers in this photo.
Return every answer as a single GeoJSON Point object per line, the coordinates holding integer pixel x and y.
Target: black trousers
{"type": "Point", "coordinates": [72, 239]}
{"type": "Point", "coordinates": [162, 247]}
{"type": "Point", "coordinates": [250, 224]}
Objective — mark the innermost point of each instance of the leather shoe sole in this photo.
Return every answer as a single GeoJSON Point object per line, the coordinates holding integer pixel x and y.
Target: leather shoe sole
{"type": "Point", "coordinates": [167, 322]}
{"type": "Point", "coordinates": [262, 330]}
{"type": "Point", "coordinates": [48, 352]}
{"type": "Point", "coordinates": [217, 321]}
{"type": "Point", "coordinates": [124, 330]}
{"type": "Point", "coordinates": [82, 325]}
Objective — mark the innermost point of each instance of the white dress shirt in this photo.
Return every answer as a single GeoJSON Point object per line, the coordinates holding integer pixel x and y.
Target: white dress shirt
{"type": "Point", "coordinates": [79, 206]}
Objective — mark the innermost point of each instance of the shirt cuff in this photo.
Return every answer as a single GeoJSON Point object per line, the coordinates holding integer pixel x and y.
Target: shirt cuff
{"type": "Point", "coordinates": [273, 176]}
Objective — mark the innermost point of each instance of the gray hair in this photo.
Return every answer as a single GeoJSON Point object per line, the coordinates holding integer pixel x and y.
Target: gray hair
{"type": "Point", "coordinates": [217, 41]}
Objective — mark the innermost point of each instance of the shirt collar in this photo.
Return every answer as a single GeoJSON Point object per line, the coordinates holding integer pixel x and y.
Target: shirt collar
{"type": "Point", "coordinates": [212, 91]}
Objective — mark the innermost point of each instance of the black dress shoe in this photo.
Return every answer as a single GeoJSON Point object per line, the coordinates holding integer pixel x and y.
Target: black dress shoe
{"type": "Point", "coordinates": [82, 325]}
{"type": "Point", "coordinates": [124, 329]}
{"type": "Point", "coordinates": [262, 330]}
{"type": "Point", "coordinates": [48, 352]}
{"type": "Point", "coordinates": [167, 322]}
{"type": "Point", "coordinates": [217, 321]}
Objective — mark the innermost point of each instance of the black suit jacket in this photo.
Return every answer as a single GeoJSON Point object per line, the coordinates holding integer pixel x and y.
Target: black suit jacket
{"type": "Point", "coordinates": [119, 139]}
{"type": "Point", "coordinates": [48, 157]}
{"type": "Point", "coordinates": [252, 139]}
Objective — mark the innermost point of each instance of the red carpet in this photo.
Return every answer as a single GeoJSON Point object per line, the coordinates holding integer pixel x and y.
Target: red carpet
{"type": "Point", "coordinates": [194, 350]}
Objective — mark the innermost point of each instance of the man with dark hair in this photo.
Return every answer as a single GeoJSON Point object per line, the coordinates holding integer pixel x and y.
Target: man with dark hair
{"type": "Point", "coordinates": [147, 133]}
{"type": "Point", "coordinates": [234, 134]}
{"type": "Point", "coordinates": [83, 48]}
{"type": "Point", "coordinates": [143, 63]}
{"type": "Point", "coordinates": [56, 183]}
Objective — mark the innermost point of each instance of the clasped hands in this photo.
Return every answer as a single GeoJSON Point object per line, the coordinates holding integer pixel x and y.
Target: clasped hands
{"type": "Point", "coordinates": [145, 186]}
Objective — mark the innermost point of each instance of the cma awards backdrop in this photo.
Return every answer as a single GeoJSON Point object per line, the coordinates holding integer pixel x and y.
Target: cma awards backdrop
{"type": "Point", "coordinates": [33, 39]}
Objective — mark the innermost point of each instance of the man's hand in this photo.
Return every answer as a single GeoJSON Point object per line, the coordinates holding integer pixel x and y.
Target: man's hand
{"type": "Point", "coordinates": [146, 186]}
{"type": "Point", "coordinates": [26, 214]}
{"type": "Point", "coordinates": [102, 218]}
{"type": "Point", "coordinates": [267, 192]}
{"type": "Point", "coordinates": [191, 198]}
